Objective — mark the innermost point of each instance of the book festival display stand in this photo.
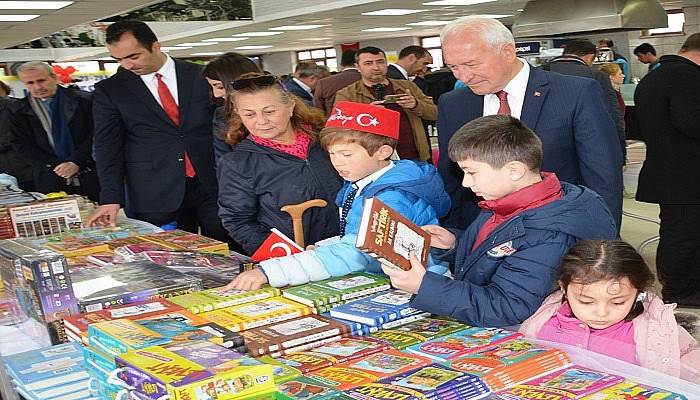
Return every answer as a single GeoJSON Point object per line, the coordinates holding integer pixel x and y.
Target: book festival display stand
{"type": "Point", "coordinates": [133, 313]}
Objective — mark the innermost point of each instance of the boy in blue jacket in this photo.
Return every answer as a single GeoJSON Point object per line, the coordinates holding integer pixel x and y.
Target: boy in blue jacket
{"type": "Point", "coordinates": [506, 259]}
{"type": "Point", "coordinates": [360, 139]}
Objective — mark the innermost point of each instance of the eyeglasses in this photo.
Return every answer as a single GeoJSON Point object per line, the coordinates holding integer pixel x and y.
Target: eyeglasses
{"type": "Point", "coordinates": [262, 80]}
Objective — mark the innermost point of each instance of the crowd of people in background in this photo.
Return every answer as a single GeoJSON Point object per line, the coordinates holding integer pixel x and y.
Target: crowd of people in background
{"type": "Point", "coordinates": [524, 205]}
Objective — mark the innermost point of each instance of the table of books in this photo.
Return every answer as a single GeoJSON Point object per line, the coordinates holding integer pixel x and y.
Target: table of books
{"type": "Point", "coordinates": [128, 313]}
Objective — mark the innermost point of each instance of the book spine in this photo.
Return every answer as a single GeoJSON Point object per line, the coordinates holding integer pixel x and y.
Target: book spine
{"type": "Point", "coordinates": [273, 319]}
{"type": "Point", "coordinates": [299, 299]}
{"type": "Point", "coordinates": [242, 300]}
{"type": "Point", "coordinates": [403, 321]}
{"type": "Point", "coordinates": [366, 291]}
{"type": "Point", "coordinates": [306, 346]}
{"type": "Point", "coordinates": [311, 338]}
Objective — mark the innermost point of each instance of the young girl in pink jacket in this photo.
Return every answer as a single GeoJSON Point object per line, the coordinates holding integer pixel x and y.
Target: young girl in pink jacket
{"type": "Point", "coordinates": [604, 306]}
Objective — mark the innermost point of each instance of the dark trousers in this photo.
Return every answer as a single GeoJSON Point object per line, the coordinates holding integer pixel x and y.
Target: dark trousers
{"type": "Point", "coordinates": [678, 254]}
{"type": "Point", "coordinates": [199, 210]}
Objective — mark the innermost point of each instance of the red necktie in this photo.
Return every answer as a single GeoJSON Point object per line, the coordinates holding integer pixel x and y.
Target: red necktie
{"type": "Point", "coordinates": [170, 108]}
{"type": "Point", "coordinates": [503, 108]}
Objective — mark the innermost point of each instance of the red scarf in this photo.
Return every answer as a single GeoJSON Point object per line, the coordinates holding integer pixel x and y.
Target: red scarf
{"type": "Point", "coordinates": [300, 147]}
{"type": "Point", "coordinates": [527, 198]}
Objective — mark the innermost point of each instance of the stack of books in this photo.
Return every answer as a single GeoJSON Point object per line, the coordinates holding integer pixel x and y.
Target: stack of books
{"type": "Point", "coordinates": [257, 313]}
{"type": "Point", "coordinates": [98, 288]}
{"type": "Point", "coordinates": [381, 310]}
{"type": "Point", "coordinates": [432, 382]}
{"type": "Point", "coordinates": [306, 388]}
{"type": "Point", "coordinates": [9, 198]}
{"type": "Point", "coordinates": [294, 335]}
{"type": "Point", "coordinates": [46, 217]}
{"type": "Point", "coordinates": [461, 343]}
{"type": "Point", "coordinates": [193, 370]}
{"type": "Point", "coordinates": [186, 241]}
{"type": "Point", "coordinates": [573, 382]}
{"type": "Point", "coordinates": [52, 373]}
{"type": "Point", "coordinates": [418, 332]}
{"type": "Point", "coordinates": [216, 298]}
{"type": "Point", "coordinates": [509, 363]}
{"type": "Point", "coordinates": [369, 369]}
{"type": "Point", "coordinates": [326, 294]}
{"type": "Point", "coordinates": [634, 391]}
{"type": "Point", "coordinates": [343, 350]}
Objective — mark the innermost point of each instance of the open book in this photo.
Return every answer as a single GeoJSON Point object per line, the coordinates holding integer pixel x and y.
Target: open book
{"type": "Point", "coordinates": [389, 236]}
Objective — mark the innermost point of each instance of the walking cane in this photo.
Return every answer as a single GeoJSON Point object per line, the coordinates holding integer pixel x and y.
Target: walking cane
{"type": "Point", "coordinates": [296, 211]}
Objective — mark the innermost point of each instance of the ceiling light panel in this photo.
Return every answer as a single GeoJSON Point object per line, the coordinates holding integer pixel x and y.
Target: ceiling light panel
{"type": "Point", "coordinates": [252, 47]}
{"type": "Point", "coordinates": [456, 2]}
{"type": "Point", "coordinates": [385, 29]}
{"type": "Point", "coordinates": [223, 39]}
{"type": "Point", "coordinates": [257, 34]}
{"type": "Point", "coordinates": [17, 17]}
{"type": "Point", "coordinates": [429, 23]}
{"type": "Point", "coordinates": [170, 48]}
{"type": "Point", "coordinates": [33, 5]}
{"type": "Point", "coordinates": [393, 11]}
{"type": "Point", "coordinates": [196, 44]}
{"type": "Point", "coordinates": [210, 53]}
{"type": "Point", "coordinates": [295, 27]}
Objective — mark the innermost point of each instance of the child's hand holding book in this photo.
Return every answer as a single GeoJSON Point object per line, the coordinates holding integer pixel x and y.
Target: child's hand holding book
{"type": "Point", "coordinates": [440, 237]}
{"type": "Point", "coordinates": [409, 280]}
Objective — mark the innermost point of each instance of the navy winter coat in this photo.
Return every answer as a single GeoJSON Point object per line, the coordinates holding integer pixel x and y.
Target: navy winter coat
{"type": "Point", "coordinates": [506, 278]}
{"type": "Point", "coordinates": [256, 181]}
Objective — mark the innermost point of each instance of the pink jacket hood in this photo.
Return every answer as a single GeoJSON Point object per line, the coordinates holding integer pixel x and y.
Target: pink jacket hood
{"type": "Point", "coordinates": [662, 345]}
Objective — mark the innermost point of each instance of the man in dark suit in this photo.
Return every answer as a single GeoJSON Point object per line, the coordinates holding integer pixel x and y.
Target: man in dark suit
{"type": "Point", "coordinates": [305, 78]}
{"type": "Point", "coordinates": [566, 112]}
{"type": "Point", "coordinates": [668, 109]}
{"type": "Point", "coordinates": [153, 137]}
{"type": "Point", "coordinates": [412, 61]}
{"type": "Point", "coordinates": [324, 95]}
{"type": "Point", "coordinates": [52, 129]}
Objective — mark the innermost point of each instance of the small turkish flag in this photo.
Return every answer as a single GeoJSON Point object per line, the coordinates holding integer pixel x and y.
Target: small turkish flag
{"type": "Point", "coordinates": [276, 245]}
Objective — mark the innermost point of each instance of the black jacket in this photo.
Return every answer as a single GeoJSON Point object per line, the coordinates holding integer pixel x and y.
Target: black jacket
{"type": "Point", "coordinates": [572, 65]}
{"type": "Point", "coordinates": [256, 181]}
{"type": "Point", "coordinates": [11, 162]}
{"type": "Point", "coordinates": [31, 141]}
{"type": "Point", "coordinates": [393, 73]}
{"type": "Point", "coordinates": [668, 109]}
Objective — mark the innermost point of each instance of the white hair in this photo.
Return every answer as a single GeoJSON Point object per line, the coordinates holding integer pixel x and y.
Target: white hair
{"type": "Point", "coordinates": [491, 31]}
{"type": "Point", "coordinates": [34, 66]}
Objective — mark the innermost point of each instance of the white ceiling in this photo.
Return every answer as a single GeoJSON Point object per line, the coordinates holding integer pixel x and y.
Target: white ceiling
{"type": "Point", "coordinates": [343, 20]}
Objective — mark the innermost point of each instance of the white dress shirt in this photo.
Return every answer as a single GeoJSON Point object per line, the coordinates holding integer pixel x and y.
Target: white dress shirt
{"type": "Point", "coordinates": [169, 77]}
{"type": "Point", "coordinates": [400, 68]}
{"type": "Point", "coordinates": [516, 93]}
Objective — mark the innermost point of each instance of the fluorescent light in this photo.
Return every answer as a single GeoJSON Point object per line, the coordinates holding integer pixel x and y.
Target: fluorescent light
{"type": "Point", "coordinates": [196, 44]}
{"type": "Point", "coordinates": [211, 53]}
{"type": "Point", "coordinates": [429, 23]}
{"type": "Point", "coordinates": [385, 29]}
{"type": "Point", "coordinates": [225, 39]}
{"type": "Point", "coordinates": [295, 27]}
{"type": "Point", "coordinates": [456, 2]}
{"type": "Point", "coordinates": [315, 39]}
{"type": "Point", "coordinates": [393, 11]}
{"type": "Point", "coordinates": [17, 17]}
{"type": "Point", "coordinates": [257, 34]}
{"type": "Point", "coordinates": [494, 16]}
{"type": "Point", "coordinates": [252, 47]}
{"type": "Point", "coordinates": [169, 48]}
{"type": "Point", "coordinates": [33, 5]}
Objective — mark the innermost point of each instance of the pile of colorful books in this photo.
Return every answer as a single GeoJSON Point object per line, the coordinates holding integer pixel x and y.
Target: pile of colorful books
{"type": "Point", "coordinates": [54, 373]}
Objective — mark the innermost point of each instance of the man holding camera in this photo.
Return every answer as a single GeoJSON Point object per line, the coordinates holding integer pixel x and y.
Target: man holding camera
{"type": "Point", "coordinates": [400, 95]}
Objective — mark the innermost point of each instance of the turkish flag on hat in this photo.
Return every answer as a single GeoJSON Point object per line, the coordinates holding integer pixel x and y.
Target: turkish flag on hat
{"type": "Point", "coordinates": [365, 118]}
{"type": "Point", "coordinates": [276, 245]}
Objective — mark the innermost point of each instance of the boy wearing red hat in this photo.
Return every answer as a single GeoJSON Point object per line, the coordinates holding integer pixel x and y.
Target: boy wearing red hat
{"type": "Point", "coordinates": [360, 139]}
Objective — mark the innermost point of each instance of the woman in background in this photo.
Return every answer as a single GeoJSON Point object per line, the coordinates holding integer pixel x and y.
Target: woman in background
{"type": "Point", "coordinates": [220, 73]}
{"type": "Point", "coordinates": [616, 76]}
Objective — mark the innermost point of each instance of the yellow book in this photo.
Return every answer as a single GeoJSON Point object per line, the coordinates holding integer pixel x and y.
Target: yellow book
{"type": "Point", "coordinates": [258, 313]}
{"type": "Point", "coordinates": [214, 299]}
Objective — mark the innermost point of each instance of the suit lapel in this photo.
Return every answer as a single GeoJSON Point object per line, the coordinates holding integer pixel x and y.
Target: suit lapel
{"type": "Point", "coordinates": [536, 93]}
{"type": "Point", "coordinates": [473, 107]}
{"type": "Point", "coordinates": [69, 105]}
{"type": "Point", "coordinates": [184, 90]}
{"type": "Point", "coordinates": [141, 93]}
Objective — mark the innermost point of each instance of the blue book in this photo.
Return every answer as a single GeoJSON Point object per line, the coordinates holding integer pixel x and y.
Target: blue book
{"type": "Point", "coordinates": [71, 391]}
{"type": "Point", "coordinates": [377, 309]}
{"type": "Point", "coordinates": [48, 367]}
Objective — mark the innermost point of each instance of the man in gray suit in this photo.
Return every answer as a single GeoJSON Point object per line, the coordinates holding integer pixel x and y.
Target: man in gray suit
{"type": "Point", "coordinates": [324, 95]}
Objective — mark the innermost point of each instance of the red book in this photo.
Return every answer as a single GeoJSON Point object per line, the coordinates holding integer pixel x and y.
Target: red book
{"type": "Point", "coordinates": [276, 245]}
{"type": "Point", "coordinates": [387, 235]}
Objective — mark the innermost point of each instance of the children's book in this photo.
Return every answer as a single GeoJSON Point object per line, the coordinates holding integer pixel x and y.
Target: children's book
{"type": "Point", "coordinates": [292, 333]}
{"type": "Point", "coordinates": [47, 367]}
{"type": "Point", "coordinates": [335, 352]}
{"type": "Point", "coordinates": [281, 371]}
{"type": "Point", "coordinates": [461, 343]}
{"type": "Point", "coordinates": [216, 298]}
{"type": "Point", "coordinates": [390, 237]}
{"type": "Point", "coordinates": [257, 313]}
{"type": "Point", "coordinates": [337, 289]}
{"type": "Point", "coordinates": [193, 370]}
{"type": "Point", "coordinates": [634, 391]}
{"type": "Point", "coordinates": [438, 381]}
{"type": "Point", "coordinates": [376, 309]}
{"type": "Point", "coordinates": [187, 241]}
{"type": "Point", "coordinates": [121, 335]}
{"type": "Point", "coordinates": [418, 331]}
{"type": "Point", "coordinates": [573, 382]}
{"type": "Point", "coordinates": [307, 388]}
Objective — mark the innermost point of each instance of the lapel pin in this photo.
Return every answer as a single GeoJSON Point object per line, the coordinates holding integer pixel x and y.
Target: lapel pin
{"type": "Point", "coordinates": [538, 94]}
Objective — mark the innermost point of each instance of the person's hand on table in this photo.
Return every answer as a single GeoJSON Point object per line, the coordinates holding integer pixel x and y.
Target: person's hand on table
{"type": "Point", "coordinates": [104, 215]}
{"type": "Point", "coordinates": [248, 280]}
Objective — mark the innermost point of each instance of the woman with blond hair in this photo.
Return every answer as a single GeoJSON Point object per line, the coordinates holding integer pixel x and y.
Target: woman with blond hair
{"type": "Point", "coordinates": [276, 161]}
{"type": "Point", "coordinates": [614, 72]}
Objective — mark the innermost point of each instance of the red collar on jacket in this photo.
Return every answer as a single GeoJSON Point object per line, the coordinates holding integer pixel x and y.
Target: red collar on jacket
{"type": "Point", "coordinates": [533, 196]}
